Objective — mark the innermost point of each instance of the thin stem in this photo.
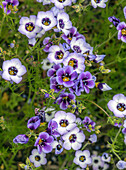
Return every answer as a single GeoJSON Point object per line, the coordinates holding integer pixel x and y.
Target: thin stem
{"type": "Point", "coordinates": [85, 145]}
{"type": "Point", "coordinates": [116, 154]}
{"type": "Point", "coordinates": [117, 135]}
{"type": "Point", "coordinates": [98, 106]}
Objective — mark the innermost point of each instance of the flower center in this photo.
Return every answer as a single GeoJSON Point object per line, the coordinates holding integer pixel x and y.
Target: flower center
{"type": "Point", "coordinates": [123, 31]}
{"type": "Point", "coordinates": [60, 86]}
{"type": "Point", "coordinates": [46, 21]}
{"type": "Point", "coordinates": [121, 107]}
{"type": "Point", "coordinates": [66, 77]}
{"type": "Point", "coordinates": [59, 147]}
{"type": "Point", "coordinates": [69, 36]}
{"type": "Point", "coordinates": [29, 26]}
{"type": "Point", "coordinates": [86, 53]}
{"type": "Point", "coordinates": [82, 158]}
{"type": "Point", "coordinates": [77, 48]}
{"type": "Point", "coordinates": [12, 71]}
{"type": "Point", "coordinates": [64, 123]}
{"type": "Point", "coordinates": [59, 55]}
{"type": "Point", "coordinates": [10, 5]}
{"type": "Point", "coordinates": [42, 141]}
{"type": "Point", "coordinates": [97, 1]}
{"type": "Point", "coordinates": [37, 158]}
{"type": "Point", "coordinates": [61, 1]}
{"type": "Point", "coordinates": [61, 23]}
{"type": "Point", "coordinates": [73, 63]}
{"type": "Point", "coordinates": [72, 138]}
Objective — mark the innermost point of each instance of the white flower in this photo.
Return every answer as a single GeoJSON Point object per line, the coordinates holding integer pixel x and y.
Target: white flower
{"type": "Point", "coordinates": [13, 70]}
{"type": "Point", "coordinates": [46, 64]}
{"type": "Point", "coordinates": [98, 3]}
{"type": "Point", "coordinates": [49, 113]}
{"type": "Point", "coordinates": [38, 159]}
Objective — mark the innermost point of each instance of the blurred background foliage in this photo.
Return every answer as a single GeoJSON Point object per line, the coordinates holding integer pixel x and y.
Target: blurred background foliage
{"type": "Point", "coordinates": [17, 102]}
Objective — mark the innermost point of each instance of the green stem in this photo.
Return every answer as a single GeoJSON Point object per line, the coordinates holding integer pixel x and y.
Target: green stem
{"type": "Point", "coordinates": [98, 106]}
{"type": "Point", "coordinates": [116, 136]}
{"type": "Point", "coordinates": [85, 145]}
{"type": "Point", "coordinates": [2, 23]}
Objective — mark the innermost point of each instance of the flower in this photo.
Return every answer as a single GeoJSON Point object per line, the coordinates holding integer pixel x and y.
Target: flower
{"type": "Point", "coordinates": [43, 142]}
{"type": "Point", "coordinates": [73, 139]}
{"type": "Point", "coordinates": [99, 58]}
{"type": "Point", "coordinates": [77, 87]}
{"type": "Point", "coordinates": [64, 24]}
{"type": "Point", "coordinates": [61, 3]}
{"type": "Point", "coordinates": [52, 128]}
{"type": "Point", "coordinates": [66, 76]}
{"type": "Point", "coordinates": [76, 61]}
{"type": "Point", "coordinates": [13, 70]}
{"type": "Point", "coordinates": [56, 10]}
{"type": "Point", "coordinates": [57, 54]}
{"type": "Point", "coordinates": [58, 146]}
{"type": "Point", "coordinates": [98, 3]}
{"type": "Point", "coordinates": [65, 121]}
{"type": "Point", "coordinates": [79, 45]}
{"type": "Point", "coordinates": [52, 71]}
{"type": "Point", "coordinates": [9, 5]}
{"type": "Point", "coordinates": [124, 129]}
{"type": "Point", "coordinates": [87, 81]}
{"type": "Point", "coordinates": [38, 159]}
{"type": "Point", "coordinates": [46, 20]}
{"type": "Point", "coordinates": [93, 138]}
{"type": "Point", "coordinates": [82, 158]}
{"type": "Point", "coordinates": [54, 85]}
{"type": "Point", "coordinates": [46, 64]}
{"type": "Point", "coordinates": [28, 27]}
{"type": "Point", "coordinates": [33, 123]}
{"type": "Point", "coordinates": [105, 157]}
{"type": "Point", "coordinates": [118, 105]}
{"type": "Point", "coordinates": [47, 44]}
{"type": "Point", "coordinates": [104, 87]}
{"type": "Point", "coordinates": [45, 2]}
{"type": "Point", "coordinates": [97, 163]}
{"type": "Point", "coordinates": [40, 114]}
{"type": "Point", "coordinates": [114, 20]}
{"type": "Point", "coordinates": [121, 164]}
{"type": "Point", "coordinates": [122, 31]}
{"type": "Point", "coordinates": [124, 10]}
{"type": "Point", "coordinates": [22, 139]}
{"type": "Point", "coordinates": [89, 124]}
{"type": "Point", "coordinates": [65, 99]}
{"type": "Point", "coordinates": [89, 54]}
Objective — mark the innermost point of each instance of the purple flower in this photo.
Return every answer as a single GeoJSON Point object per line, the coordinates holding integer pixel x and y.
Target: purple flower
{"type": "Point", "coordinates": [87, 81]}
{"type": "Point", "coordinates": [114, 20]}
{"type": "Point", "coordinates": [121, 164]}
{"type": "Point", "coordinates": [52, 128]}
{"type": "Point", "coordinates": [38, 159]}
{"type": "Point", "coordinates": [52, 71]}
{"type": "Point", "coordinates": [66, 76]}
{"type": "Point", "coordinates": [104, 87]}
{"type": "Point", "coordinates": [105, 157]}
{"type": "Point", "coordinates": [118, 105]}
{"type": "Point", "coordinates": [77, 87]}
{"type": "Point", "coordinates": [73, 139]}
{"type": "Point", "coordinates": [82, 158]}
{"type": "Point", "coordinates": [122, 31]}
{"type": "Point", "coordinates": [58, 146]}
{"type": "Point", "coordinates": [93, 138]}
{"type": "Point", "coordinates": [64, 24]}
{"type": "Point", "coordinates": [65, 99]}
{"type": "Point", "coordinates": [43, 142]}
{"type": "Point", "coordinates": [65, 121]}
{"type": "Point", "coordinates": [89, 54]}
{"type": "Point", "coordinates": [56, 10]}
{"type": "Point", "coordinates": [48, 44]}
{"type": "Point", "coordinates": [22, 138]}
{"type": "Point", "coordinates": [46, 20]}
{"type": "Point", "coordinates": [76, 61]}
{"type": "Point", "coordinates": [88, 124]}
{"type": "Point", "coordinates": [57, 54]}
{"type": "Point", "coordinates": [72, 33]}
{"type": "Point", "coordinates": [40, 114]}
{"type": "Point", "coordinates": [98, 3]}
{"type": "Point", "coordinates": [57, 87]}
{"type": "Point", "coordinates": [28, 27]}
{"type": "Point", "coordinates": [13, 70]}
{"type": "Point", "coordinates": [9, 5]}
{"type": "Point", "coordinates": [33, 123]}
{"type": "Point", "coordinates": [61, 4]}
{"type": "Point", "coordinates": [99, 58]}
{"type": "Point", "coordinates": [124, 10]}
